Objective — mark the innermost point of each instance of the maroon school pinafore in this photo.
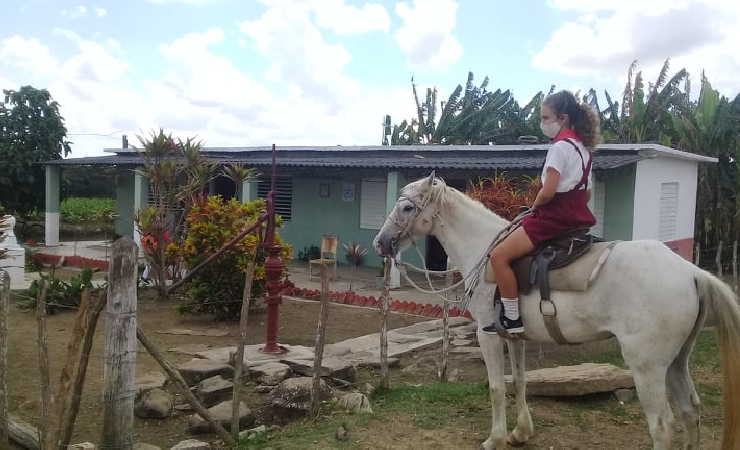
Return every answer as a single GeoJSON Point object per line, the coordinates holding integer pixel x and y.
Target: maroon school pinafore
{"type": "Point", "coordinates": [567, 211]}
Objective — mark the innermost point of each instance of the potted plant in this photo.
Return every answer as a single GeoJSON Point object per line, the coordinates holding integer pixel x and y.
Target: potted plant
{"type": "Point", "coordinates": [355, 254]}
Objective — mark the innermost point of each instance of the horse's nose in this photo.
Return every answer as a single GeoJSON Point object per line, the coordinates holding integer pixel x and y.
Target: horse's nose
{"type": "Point", "coordinates": [382, 245]}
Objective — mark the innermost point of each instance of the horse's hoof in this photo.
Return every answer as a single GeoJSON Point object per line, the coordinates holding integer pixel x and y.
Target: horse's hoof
{"type": "Point", "coordinates": [514, 442]}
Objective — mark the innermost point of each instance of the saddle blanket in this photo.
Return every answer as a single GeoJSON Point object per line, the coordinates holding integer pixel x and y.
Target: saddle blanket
{"type": "Point", "coordinates": [576, 276]}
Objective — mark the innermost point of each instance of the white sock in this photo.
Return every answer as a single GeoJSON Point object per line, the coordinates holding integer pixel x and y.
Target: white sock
{"type": "Point", "coordinates": [511, 307]}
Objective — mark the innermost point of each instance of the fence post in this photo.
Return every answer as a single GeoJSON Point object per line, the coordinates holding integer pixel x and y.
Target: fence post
{"type": "Point", "coordinates": [4, 300]}
{"type": "Point", "coordinates": [120, 347]}
{"type": "Point", "coordinates": [45, 427]}
{"type": "Point", "coordinates": [718, 259]}
{"type": "Point", "coordinates": [734, 265]}
{"type": "Point", "coordinates": [319, 344]}
{"type": "Point", "coordinates": [386, 299]}
{"type": "Point", "coordinates": [239, 360]}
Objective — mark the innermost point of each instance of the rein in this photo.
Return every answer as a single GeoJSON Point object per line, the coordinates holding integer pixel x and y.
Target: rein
{"type": "Point", "coordinates": [473, 276]}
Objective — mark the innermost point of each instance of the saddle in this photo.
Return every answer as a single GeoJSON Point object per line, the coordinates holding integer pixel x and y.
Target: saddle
{"type": "Point", "coordinates": [569, 262]}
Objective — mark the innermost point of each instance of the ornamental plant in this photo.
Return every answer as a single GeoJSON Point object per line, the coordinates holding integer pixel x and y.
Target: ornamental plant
{"type": "Point", "coordinates": [217, 289]}
{"type": "Point", "coordinates": [505, 195]}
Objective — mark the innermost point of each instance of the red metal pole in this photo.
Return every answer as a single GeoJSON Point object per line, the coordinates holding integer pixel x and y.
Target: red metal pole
{"type": "Point", "coordinates": [273, 272]}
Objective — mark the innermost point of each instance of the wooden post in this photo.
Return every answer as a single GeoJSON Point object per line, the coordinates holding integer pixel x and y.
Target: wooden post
{"type": "Point", "coordinates": [445, 340]}
{"type": "Point", "coordinates": [23, 433]}
{"type": "Point", "coordinates": [46, 400]}
{"type": "Point", "coordinates": [239, 360]}
{"type": "Point", "coordinates": [319, 344]}
{"type": "Point", "coordinates": [718, 259]}
{"type": "Point", "coordinates": [385, 305]}
{"type": "Point", "coordinates": [4, 301]}
{"type": "Point", "coordinates": [72, 377]}
{"type": "Point", "coordinates": [120, 347]}
{"type": "Point", "coordinates": [697, 254]}
{"type": "Point", "coordinates": [180, 382]}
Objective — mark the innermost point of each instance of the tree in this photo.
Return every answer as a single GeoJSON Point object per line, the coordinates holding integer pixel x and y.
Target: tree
{"type": "Point", "coordinates": [31, 131]}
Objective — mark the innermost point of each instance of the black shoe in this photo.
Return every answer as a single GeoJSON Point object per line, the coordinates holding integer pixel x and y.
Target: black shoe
{"type": "Point", "coordinates": [511, 326]}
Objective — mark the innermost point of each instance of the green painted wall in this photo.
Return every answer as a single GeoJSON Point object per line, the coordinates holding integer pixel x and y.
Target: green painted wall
{"type": "Point", "coordinates": [125, 202]}
{"type": "Point", "coordinates": [619, 207]}
{"type": "Point", "coordinates": [314, 216]}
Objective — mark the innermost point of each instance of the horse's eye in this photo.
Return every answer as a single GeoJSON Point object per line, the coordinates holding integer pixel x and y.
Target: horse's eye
{"type": "Point", "coordinates": [408, 208]}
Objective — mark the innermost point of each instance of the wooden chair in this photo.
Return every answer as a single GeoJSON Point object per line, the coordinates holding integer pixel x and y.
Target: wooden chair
{"type": "Point", "coordinates": [329, 244]}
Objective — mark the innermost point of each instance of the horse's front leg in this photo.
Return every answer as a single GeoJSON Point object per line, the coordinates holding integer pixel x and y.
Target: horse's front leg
{"type": "Point", "coordinates": [492, 348]}
{"type": "Point", "coordinates": [524, 428]}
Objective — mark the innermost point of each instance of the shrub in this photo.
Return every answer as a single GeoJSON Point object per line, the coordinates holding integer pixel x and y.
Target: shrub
{"type": "Point", "coordinates": [60, 294]}
{"type": "Point", "coordinates": [217, 289]}
{"type": "Point", "coordinates": [309, 253]}
{"type": "Point", "coordinates": [504, 195]}
{"type": "Point", "coordinates": [87, 209]}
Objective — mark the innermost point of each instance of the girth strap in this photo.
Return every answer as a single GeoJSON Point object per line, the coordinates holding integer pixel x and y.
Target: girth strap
{"type": "Point", "coordinates": [547, 307]}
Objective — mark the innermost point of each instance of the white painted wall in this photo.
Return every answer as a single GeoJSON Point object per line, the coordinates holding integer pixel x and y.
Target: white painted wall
{"type": "Point", "coordinates": [649, 176]}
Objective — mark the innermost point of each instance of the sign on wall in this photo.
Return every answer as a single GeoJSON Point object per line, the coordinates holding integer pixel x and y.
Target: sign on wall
{"type": "Point", "coordinates": [348, 192]}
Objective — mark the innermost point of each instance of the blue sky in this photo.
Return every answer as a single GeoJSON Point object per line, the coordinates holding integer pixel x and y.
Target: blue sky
{"type": "Point", "coordinates": [325, 71]}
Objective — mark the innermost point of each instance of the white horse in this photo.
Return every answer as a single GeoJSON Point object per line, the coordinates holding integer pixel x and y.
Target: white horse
{"type": "Point", "coordinates": [653, 301]}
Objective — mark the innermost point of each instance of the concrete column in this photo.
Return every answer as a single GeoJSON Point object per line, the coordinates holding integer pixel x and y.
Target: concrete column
{"type": "Point", "coordinates": [393, 186]}
{"type": "Point", "coordinates": [51, 228]}
{"type": "Point", "coordinates": [141, 196]}
{"type": "Point", "coordinates": [247, 191]}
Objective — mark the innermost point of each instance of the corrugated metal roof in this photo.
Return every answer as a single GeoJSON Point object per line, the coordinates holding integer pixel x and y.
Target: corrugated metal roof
{"type": "Point", "coordinates": [467, 159]}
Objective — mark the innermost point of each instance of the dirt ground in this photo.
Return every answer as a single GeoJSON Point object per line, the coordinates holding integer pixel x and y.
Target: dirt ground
{"type": "Point", "coordinates": [596, 422]}
{"type": "Point", "coordinates": [297, 327]}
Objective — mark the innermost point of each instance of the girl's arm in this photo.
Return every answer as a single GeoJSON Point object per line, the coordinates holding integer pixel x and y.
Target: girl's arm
{"type": "Point", "coordinates": [548, 189]}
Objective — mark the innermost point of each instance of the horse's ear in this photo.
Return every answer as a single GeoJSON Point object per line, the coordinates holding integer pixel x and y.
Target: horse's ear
{"type": "Point", "coordinates": [429, 182]}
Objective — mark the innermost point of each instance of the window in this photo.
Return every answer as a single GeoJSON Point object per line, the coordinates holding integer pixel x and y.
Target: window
{"type": "Point", "coordinates": [597, 205]}
{"type": "Point", "coordinates": [283, 195]}
{"type": "Point", "coordinates": [372, 204]}
{"type": "Point", "coordinates": [668, 211]}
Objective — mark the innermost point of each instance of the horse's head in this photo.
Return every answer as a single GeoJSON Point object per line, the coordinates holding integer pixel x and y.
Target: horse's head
{"type": "Point", "coordinates": [412, 216]}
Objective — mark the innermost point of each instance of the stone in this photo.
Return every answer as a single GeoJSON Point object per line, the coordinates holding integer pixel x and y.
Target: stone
{"type": "Point", "coordinates": [624, 395]}
{"type": "Point", "coordinates": [196, 370]}
{"type": "Point", "coordinates": [153, 404]}
{"type": "Point", "coordinates": [192, 444]}
{"type": "Point", "coordinates": [82, 446]}
{"type": "Point", "coordinates": [253, 355]}
{"type": "Point", "coordinates": [336, 350]}
{"type": "Point", "coordinates": [355, 402]}
{"type": "Point", "coordinates": [572, 381]}
{"type": "Point", "coordinates": [214, 390]}
{"type": "Point", "coordinates": [270, 373]}
{"type": "Point", "coordinates": [461, 342]}
{"type": "Point", "coordinates": [341, 434]}
{"type": "Point", "coordinates": [144, 446]}
{"type": "Point", "coordinates": [250, 433]}
{"type": "Point", "coordinates": [189, 349]}
{"type": "Point", "coordinates": [295, 393]}
{"type": "Point", "coordinates": [221, 413]}
{"type": "Point", "coordinates": [206, 332]}
{"type": "Point", "coordinates": [150, 380]}
{"type": "Point", "coordinates": [467, 350]}
{"type": "Point", "coordinates": [454, 375]}
{"type": "Point", "coordinates": [330, 367]}
{"type": "Point", "coordinates": [368, 389]}
{"type": "Point", "coordinates": [374, 363]}
{"type": "Point", "coordinates": [263, 389]}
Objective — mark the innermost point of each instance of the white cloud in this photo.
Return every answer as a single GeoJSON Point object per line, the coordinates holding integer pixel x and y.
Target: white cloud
{"type": "Point", "coordinates": [342, 18]}
{"type": "Point", "coordinates": [101, 12]}
{"type": "Point", "coordinates": [425, 36]}
{"type": "Point", "coordinates": [27, 54]}
{"type": "Point", "coordinates": [76, 12]}
{"type": "Point", "coordinates": [186, 2]}
{"type": "Point", "coordinates": [605, 37]}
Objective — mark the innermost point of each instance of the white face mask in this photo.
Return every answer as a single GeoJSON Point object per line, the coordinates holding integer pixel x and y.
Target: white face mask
{"type": "Point", "coordinates": [550, 129]}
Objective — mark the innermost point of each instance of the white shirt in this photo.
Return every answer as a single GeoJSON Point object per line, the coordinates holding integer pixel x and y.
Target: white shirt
{"type": "Point", "coordinates": [562, 157]}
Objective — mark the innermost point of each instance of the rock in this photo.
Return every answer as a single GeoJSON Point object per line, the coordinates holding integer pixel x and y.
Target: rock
{"type": "Point", "coordinates": [295, 393]}
{"type": "Point", "coordinates": [206, 332]}
{"type": "Point", "coordinates": [465, 349]}
{"type": "Point", "coordinates": [222, 414]}
{"type": "Point", "coordinates": [262, 429]}
{"type": "Point", "coordinates": [454, 375]}
{"type": "Point", "coordinates": [341, 434]}
{"type": "Point", "coordinates": [624, 395]}
{"type": "Point", "coordinates": [214, 390]}
{"type": "Point", "coordinates": [153, 404]}
{"type": "Point", "coordinates": [330, 367]}
{"type": "Point", "coordinates": [196, 370]}
{"type": "Point", "coordinates": [150, 380]}
{"type": "Point", "coordinates": [183, 407]}
{"type": "Point", "coordinates": [355, 402]}
{"type": "Point", "coordinates": [368, 389]}
{"type": "Point", "coordinates": [189, 349]}
{"type": "Point", "coordinates": [192, 444]}
{"type": "Point", "coordinates": [336, 350]}
{"type": "Point", "coordinates": [82, 446]}
{"type": "Point", "coordinates": [262, 389]}
{"type": "Point", "coordinates": [581, 379]}
{"type": "Point", "coordinates": [270, 373]}
{"type": "Point", "coordinates": [374, 362]}
{"type": "Point", "coordinates": [143, 446]}
{"type": "Point", "coordinates": [461, 342]}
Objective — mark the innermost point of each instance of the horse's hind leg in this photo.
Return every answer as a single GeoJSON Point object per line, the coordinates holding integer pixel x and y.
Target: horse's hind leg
{"type": "Point", "coordinates": [524, 428]}
{"type": "Point", "coordinates": [684, 399]}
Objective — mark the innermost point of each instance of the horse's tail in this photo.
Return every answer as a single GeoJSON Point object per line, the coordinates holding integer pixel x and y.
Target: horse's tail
{"type": "Point", "coordinates": [726, 311]}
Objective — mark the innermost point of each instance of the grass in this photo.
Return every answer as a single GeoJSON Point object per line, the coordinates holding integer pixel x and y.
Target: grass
{"type": "Point", "coordinates": [87, 209]}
